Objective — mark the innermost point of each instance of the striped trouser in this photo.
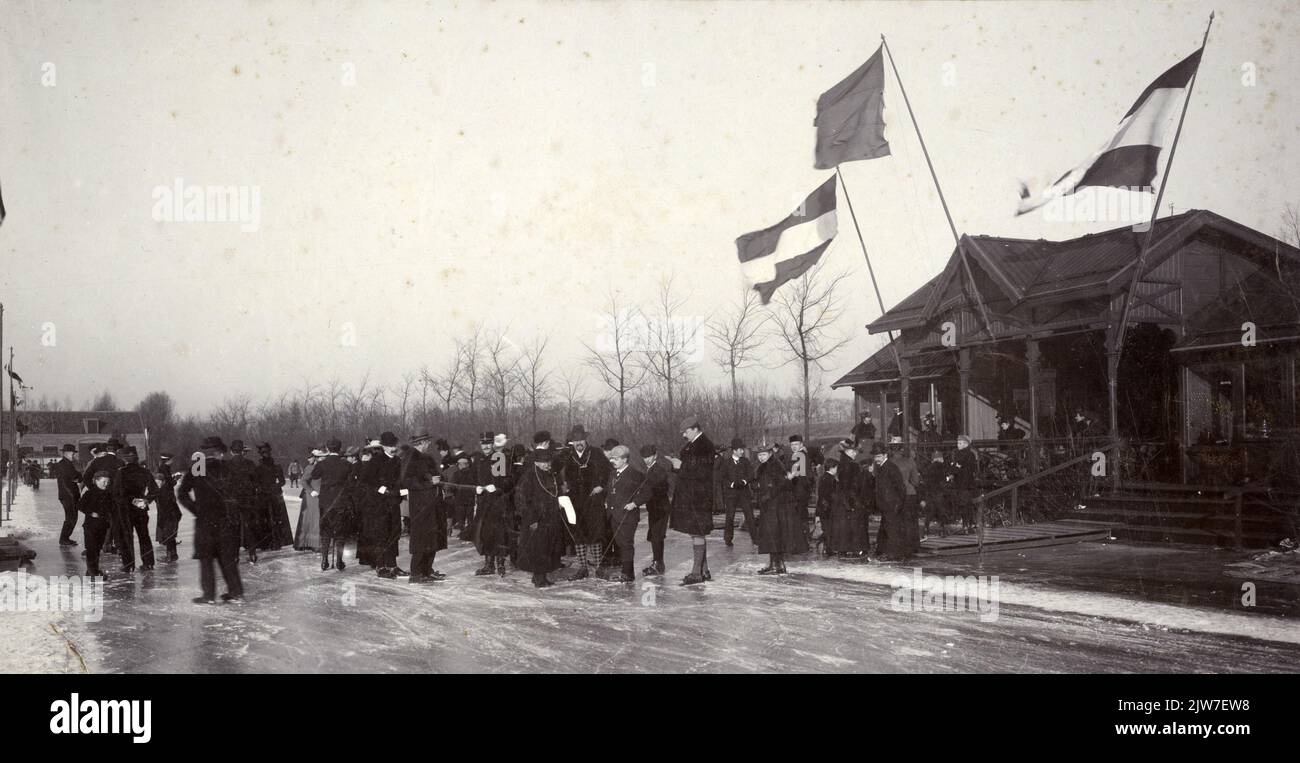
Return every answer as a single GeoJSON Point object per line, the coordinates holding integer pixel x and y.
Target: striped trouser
{"type": "Point", "coordinates": [588, 554]}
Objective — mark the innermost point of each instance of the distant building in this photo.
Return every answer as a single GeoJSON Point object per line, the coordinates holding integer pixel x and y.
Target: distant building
{"type": "Point", "coordinates": [47, 431]}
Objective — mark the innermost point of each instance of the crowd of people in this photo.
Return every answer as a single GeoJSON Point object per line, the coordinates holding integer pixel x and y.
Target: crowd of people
{"type": "Point", "coordinates": [526, 508]}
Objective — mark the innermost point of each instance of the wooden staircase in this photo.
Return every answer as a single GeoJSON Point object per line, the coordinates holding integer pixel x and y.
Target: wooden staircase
{"type": "Point", "coordinates": [1231, 516]}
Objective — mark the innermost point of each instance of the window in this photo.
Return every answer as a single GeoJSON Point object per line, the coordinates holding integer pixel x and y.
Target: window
{"type": "Point", "coordinates": [91, 426]}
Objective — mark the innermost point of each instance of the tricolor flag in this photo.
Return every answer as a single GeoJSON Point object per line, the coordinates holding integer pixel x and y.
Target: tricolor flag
{"type": "Point", "coordinates": [850, 117]}
{"type": "Point", "coordinates": [785, 251]}
{"type": "Point", "coordinates": [1129, 159]}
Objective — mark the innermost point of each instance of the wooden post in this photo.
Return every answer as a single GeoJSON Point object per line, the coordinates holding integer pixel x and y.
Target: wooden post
{"type": "Point", "coordinates": [1031, 363]}
{"type": "Point", "coordinates": [963, 375]}
{"type": "Point", "coordinates": [882, 429]}
{"type": "Point", "coordinates": [1113, 338]}
{"type": "Point", "coordinates": [905, 400]}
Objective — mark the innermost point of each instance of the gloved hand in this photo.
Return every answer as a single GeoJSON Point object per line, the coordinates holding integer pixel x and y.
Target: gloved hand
{"type": "Point", "coordinates": [315, 493]}
{"type": "Point", "coordinates": [490, 488]}
{"type": "Point", "coordinates": [533, 526]}
{"type": "Point", "coordinates": [478, 490]}
{"type": "Point", "coordinates": [383, 489]}
{"type": "Point", "coordinates": [629, 507]}
{"type": "Point", "coordinates": [404, 492]}
{"type": "Point", "coordinates": [597, 489]}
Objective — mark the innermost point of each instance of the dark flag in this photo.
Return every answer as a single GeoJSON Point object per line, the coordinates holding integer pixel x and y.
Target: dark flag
{"type": "Point", "coordinates": [850, 117]}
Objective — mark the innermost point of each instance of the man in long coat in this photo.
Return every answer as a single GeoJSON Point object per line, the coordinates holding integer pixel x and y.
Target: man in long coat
{"type": "Point", "coordinates": [67, 478]}
{"type": "Point", "coordinates": [205, 492]}
{"type": "Point", "coordinates": [734, 472]}
{"type": "Point", "coordinates": [584, 471]}
{"type": "Point", "coordinates": [242, 479]}
{"type": "Point", "coordinates": [329, 480]}
{"type": "Point", "coordinates": [496, 474]}
{"type": "Point", "coordinates": [891, 493]}
{"type": "Point", "coordinates": [384, 511]}
{"type": "Point", "coordinates": [133, 488]}
{"type": "Point", "coordinates": [421, 482]}
{"type": "Point", "coordinates": [692, 511]}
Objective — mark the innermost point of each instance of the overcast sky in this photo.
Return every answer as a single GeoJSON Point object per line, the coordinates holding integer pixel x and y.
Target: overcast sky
{"type": "Point", "coordinates": [423, 165]}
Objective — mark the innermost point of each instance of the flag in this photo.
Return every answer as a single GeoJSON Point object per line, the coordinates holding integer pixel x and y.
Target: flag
{"type": "Point", "coordinates": [15, 377]}
{"type": "Point", "coordinates": [850, 120]}
{"type": "Point", "coordinates": [1129, 158]}
{"type": "Point", "coordinates": [785, 251]}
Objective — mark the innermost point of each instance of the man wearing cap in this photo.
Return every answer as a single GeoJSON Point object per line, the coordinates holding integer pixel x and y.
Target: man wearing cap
{"type": "Point", "coordinates": [965, 476]}
{"type": "Point", "coordinates": [68, 478]}
{"type": "Point", "coordinates": [204, 491]}
{"type": "Point", "coordinates": [420, 482]}
{"type": "Point", "coordinates": [329, 484]}
{"type": "Point", "coordinates": [495, 476]}
{"type": "Point", "coordinates": [583, 474]}
{"type": "Point", "coordinates": [657, 487]}
{"type": "Point", "coordinates": [624, 497]}
{"type": "Point", "coordinates": [103, 458]}
{"type": "Point", "coordinates": [241, 481]}
{"type": "Point", "coordinates": [734, 473]}
{"type": "Point", "coordinates": [133, 489]}
{"type": "Point", "coordinates": [169, 512]}
{"type": "Point", "coordinates": [692, 511]}
{"type": "Point", "coordinates": [97, 504]}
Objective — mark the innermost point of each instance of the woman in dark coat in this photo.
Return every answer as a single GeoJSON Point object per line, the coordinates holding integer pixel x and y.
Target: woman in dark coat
{"type": "Point", "coordinates": [538, 493]}
{"type": "Point", "coordinates": [692, 509]}
{"type": "Point", "coordinates": [850, 533]}
{"type": "Point", "coordinates": [364, 485]}
{"type": "Point", "coordinates": [270, 480]}
{"type": "Point", "coordinates": [341, 518]}
{"type": "Point", "coordinates": [780, 522]}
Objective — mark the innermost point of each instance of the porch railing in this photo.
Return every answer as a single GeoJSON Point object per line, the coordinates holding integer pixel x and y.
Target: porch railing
{"type": "Point", "coordinates": [1012, 490]}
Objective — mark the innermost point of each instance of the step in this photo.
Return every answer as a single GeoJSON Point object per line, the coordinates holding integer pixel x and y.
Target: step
{"type": "Point", "coordinates": [1164, 499]}
{"type": "Point", "coordinates": [1186, 535]}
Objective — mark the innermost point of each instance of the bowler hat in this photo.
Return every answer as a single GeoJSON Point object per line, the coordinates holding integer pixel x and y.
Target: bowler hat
{"type": "Point", "coordinates": [577, 434]}
{"type": "Point", "coordinates": [796, 438]}
{"type": "Point", "coordinates": [212, 443]}
{"type": "Point", "coordinates": [114, 443]}
{"type": "Point", "coordinates": [335, 444]}
{"type": "Point", "coordinates": [541, 437]}
{"type": "Point", "coordinates": [67, 446]}
{"type": "Point", "coordinates": [609, 444]}
{"type": "Point", "coordinates": [237, 446]}
{"type": "Point", "coordinates": [388, 439]}
{"type": "Point", "coordinates": [737, 443]}
{"type": "Point", "coordinates": [649, 450]}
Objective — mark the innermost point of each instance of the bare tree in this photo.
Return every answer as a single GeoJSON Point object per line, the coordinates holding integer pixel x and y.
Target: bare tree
{"type": "Point", "coordinates": [572, 388]}
{"type": "Point", "coordinates": [501, 372]}
{"type": "Point", "coordinates": [736, 337]}
{"type": "Point", "coordinates": [404, 392]}
{"type": "Point", "coordinates": [470, 352]}
{"type": "Point", "coordinates": [805, 312]}
{"type": "Point", "coordinates": [617, 357]}
{"type": "Point", "coordinates": [671, 342]}
{"type": "Point", "coordinates": [535, 379]}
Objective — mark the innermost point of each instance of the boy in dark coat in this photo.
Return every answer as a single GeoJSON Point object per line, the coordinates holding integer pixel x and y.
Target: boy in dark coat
{"type": "Point", "coordinates": [169, 511]}
{"type": "Point", "coordinates": [97, 504]}
{"type": "Point", "coordinates": [657, 487]}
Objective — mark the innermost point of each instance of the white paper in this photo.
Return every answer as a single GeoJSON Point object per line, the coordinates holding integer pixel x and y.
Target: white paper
{"type": "Point", "coordinates": [567, 505]}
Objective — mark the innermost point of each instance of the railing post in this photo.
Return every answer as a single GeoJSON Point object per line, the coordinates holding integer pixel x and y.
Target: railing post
{"type": "Point", "coordinates": [1236, 507]}
{"type": "Point", "coordinates": [1015, 505]}
{"type": "Point", "coordinates": [979, 525]}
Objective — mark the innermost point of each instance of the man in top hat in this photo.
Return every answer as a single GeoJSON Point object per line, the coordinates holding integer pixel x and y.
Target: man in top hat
{"type": "Point", "coordinates": [802, 462]}
{"type": "Point", "coordinates": [329, 482]}
{"type": "Point", "coordinates": [133, 489]}
{"type": "Point", "coordinates": [734, 472]}
{"type": "Point", "coordinates": [169, 512]}
{"type": "Point", "coordinates": [420, 481]}
{"type": "Point", "coordinates": [496, 474]}
{"type": "Point", "coordinates": [68, 478]}
{"type": "Point", "coordinates": [692, 511]}
{"type": "Point", "coordinates": [583, 474]}
{"type": "Point", "coordinates": [965, 481]}
{"type": "Point", "coordinates": [383, 512]}
{"type": "Point", "coordinates": [657, 487]}
{"type": "Point", "coordinates": [205, 493]}
{"type": "Point", "coordinates": [624, 498]}
{"type": "Point", "coordinates": [241, 479]}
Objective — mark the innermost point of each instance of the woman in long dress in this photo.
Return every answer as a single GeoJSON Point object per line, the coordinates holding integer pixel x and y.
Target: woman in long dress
{"type": "Point", "coordinates": [307, 536]}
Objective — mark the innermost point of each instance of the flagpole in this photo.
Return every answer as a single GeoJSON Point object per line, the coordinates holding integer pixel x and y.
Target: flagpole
{"type": "Point", "coordinates": [1155, 210]}
{"type": "Point", "coordinates": [961, 252]}
{"type": "Point", "coordinates": [871, 271]}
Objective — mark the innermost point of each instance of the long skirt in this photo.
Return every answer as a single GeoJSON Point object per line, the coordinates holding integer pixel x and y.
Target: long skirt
{"type": "Point", "coordinates": [281, 530]}
{"type": "Point", "coordinates": [307, 537]}
{"type": "Point", "coordinates": [781, 526]}
{"type": "Point", "coordinates": [847, 531]}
